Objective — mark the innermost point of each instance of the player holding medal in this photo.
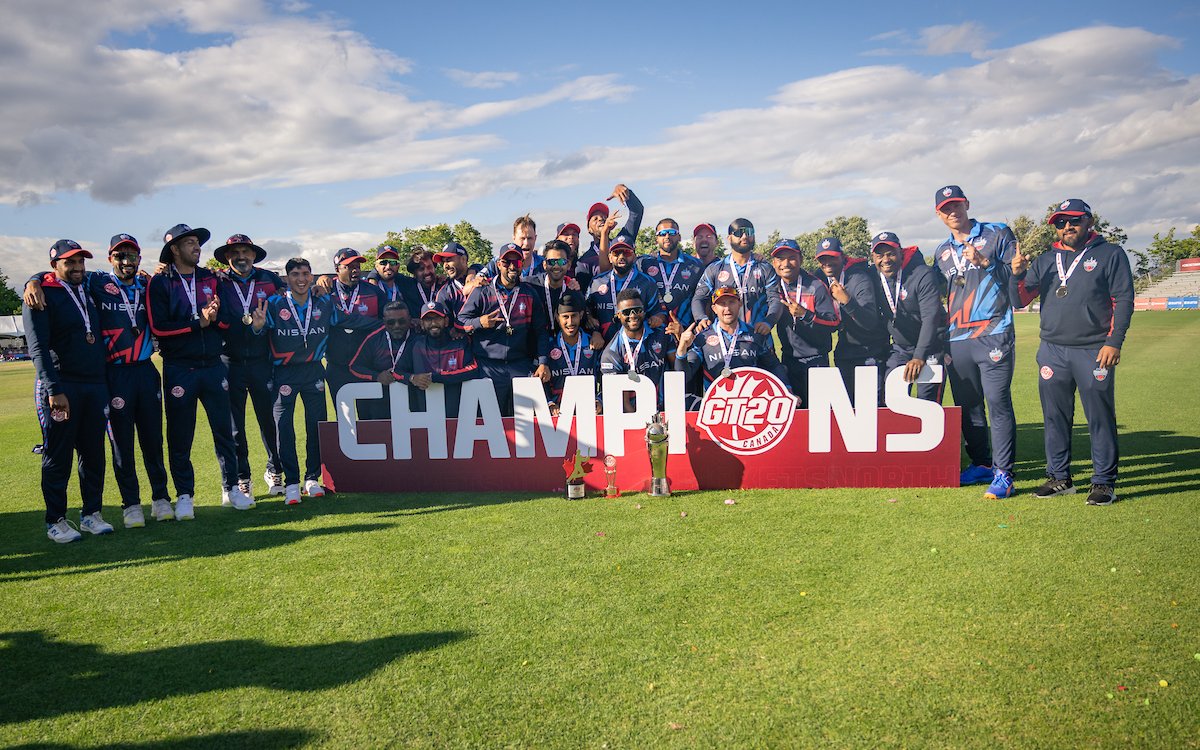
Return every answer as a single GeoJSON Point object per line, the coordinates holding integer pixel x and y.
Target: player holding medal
{"type": "Point", "coordinates": [676, 273]}
{"type": "Point", "coordinates": [729, 344]}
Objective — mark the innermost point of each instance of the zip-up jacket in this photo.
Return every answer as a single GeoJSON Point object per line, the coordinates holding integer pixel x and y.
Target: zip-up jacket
{"type": "Point", "coordinates": [58, 340]}
{"type": "Point", "coordinates": [524, 315]}
{"type": "Point", "coordinates": [685, 272]}
{"type": "Point", "coordinates": [241, 345]}
{"type": "Point", "coordinates": [918, 325]}
{"type": "Point", "coordinates": [181, 339]}
{"type": "Point", "coordinates": [608, 285]}
{"type": "Point", "coordinates": [863, 332]}
{"type": "Point", "coordinates": [345, 340]}
{"type": "Point", "coordinates": [810, 335]}
{"type": "Point", "coordinates": [980, 306]}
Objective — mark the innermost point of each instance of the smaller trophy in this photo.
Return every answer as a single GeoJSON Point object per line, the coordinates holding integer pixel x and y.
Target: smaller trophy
{"type": "Point", "coordinates": [656, 446]}
{"type": "Point", "coordinates": [610, 473]}
{"type": "Point", "coordinates": [577, 468]}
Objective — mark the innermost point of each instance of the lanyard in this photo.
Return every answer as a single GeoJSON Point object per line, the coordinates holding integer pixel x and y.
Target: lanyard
{"type": "Point", "coordinates": [244, 300]}
{"type": "Point", "coordinates": [392, 291]}
{"type": "Point", "coordinates": [345, 305]}
{"type": "Point", "coordinates": [887, 290]}
{"type": "Point", "coordinates": [190, 291]}
{"type": "Point", "coordinates": [550, 305]}
{"type": "Point", "coordinates": [1064, 275]}
{"type": "Point", "coordinates": [741, 280]}
{"type": "Point", "coordinates": [425, 298]}
{"type": "Point", "coordinates": [786, 297]}
{"type": "Point", "coordinates": [668, 281]}
{"type": "Point", "coordinates": [616, 290]}
{"type": "Point", "coordinates": [511, 299]}
{"type": "Point", "coordinates": [396, 355]}
{"type": "Point", "coordinates": [307, 316]}
{"type": "Point", "coordinates": [841, 279]}
{"type": "Point", "coordinates": [631, 354]}
{"type": "Point", "coordinates": [81, 306]}
{"type": "Point", "coordinates": [130, 310]}
{"type": "Point", "coordinates": [572, 364]}
{"type": "Point", "coordinates": [960, 262]}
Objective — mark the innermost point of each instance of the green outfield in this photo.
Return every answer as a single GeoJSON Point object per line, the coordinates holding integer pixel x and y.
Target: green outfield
{"type": "Point", "coordinates": [844, 618]}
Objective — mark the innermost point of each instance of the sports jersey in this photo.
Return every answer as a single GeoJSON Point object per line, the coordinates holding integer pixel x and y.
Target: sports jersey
{"type": "Point", "coordinates": [123, 321]}
{"type": "Point", "coordinates": [677, 277]}
{"type": "Point", "coordinates": [416, 295]}
{"type": "Point", "coordinates": [714, 350]}
{"type": "Point", "coordinates": [756, 284]}
{"type": "Point", "coordinates": [240, 297]}
{"type": "Point", "coordinates": [601, 298]}
{"type": "Point", "coordinates": [917, 324]}
{"type": "Point", "coordinates": [174, 313]}
{"type": "Point", "coordinates": [523, 316]}
{"type": "Point", "coordinates": [298, 336]}
{"type": "Point", "coordinates": [811, 334]}
{"type": "Point", "coordinates": [978, 302]}
{"type": "Point", "coordinates": [57, 337]}
{"type": "Point", "coordinates": [391, 290]}
{"type": "Point", "coordinates": [363, 299]}
{"type": "Point", "coordinates": [646, 356]}
{"type": "Point", "coordinates": [565, 360]}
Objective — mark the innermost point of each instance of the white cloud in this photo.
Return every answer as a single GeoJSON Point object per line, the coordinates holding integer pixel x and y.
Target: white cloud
{"type": "Point", "coordinates": [485, 79]}
{"type": "Point", "coordinates": [968, 37]}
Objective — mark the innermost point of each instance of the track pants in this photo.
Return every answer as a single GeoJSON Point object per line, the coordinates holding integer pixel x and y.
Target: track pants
{"type": "Point", "coordinates": [1062, 370]}
{"type": "Point", "coordinates": [82, 433]}
{"type": "Point", "coordinates": [925, 391]}
{"type": "Point", "coordinates": [797, 370]}
{"type": "Point", "coordinates": [252, 379]}
{"type": "Point", "coordinates": [183, 388]}
{"type": "Point", "coordinates": [289, 384]}
{"type": "Point", "coordinates": [135, 405]}
{"type": "Point", "coordinates": [981, 371]}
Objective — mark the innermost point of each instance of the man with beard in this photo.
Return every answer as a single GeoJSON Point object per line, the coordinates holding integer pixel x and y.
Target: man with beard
{"type": "Point", "coordinates": [300, 325]}
{"type": "Point", "coordinates": [184, 314]}
{"type": "Point", "coordinates": [704, 244]}
{"type": "Point", "coordinates": [460, 279]}
{"type": "Point", "coordinates": [862, 333]}
{"type": "Point", "coordinates": [607, 287]}
{"type": "Point", "coordinates": [594, 260]}
{"type": "Point", "coordinates": [636, 349]}
{"type": "Point", "coordinates": [248, 356]}
{"type": "Point", "coordinates": [975, 263]}
{"type": "Point", "coordinates": [674, 273]}
{"type": "Point", "coordinates": [1086, 289]}
{"type": "Point", "coordinates": [505, 322]}
{"type": "Point", "coordinates": [351, 296]}
{"type": "Point", "coordinates": [385, 274]}
{"type": "Point", "coordinates": [552, 281]}
{"type": "Point", "coordinates": [569, 350]}
{"type": "Point", "coordinates": [914, 313]}
{"type": "Point", "coordinates": [755, 281]}
{"type": "Point", "coordinates": [568, 233]}
{"type": "Point", "coordinates": [382, 358]}
{"type": "Point", "coordinates": [807, 325]}
{"type": "Point", "coordinates": [68, 356]}
{"type": "Point", "coordinates": [438, 358]}
{"type": "Point", "coordinates": [731, 343]}
{"type": "Point", "coordinates": [421, 286]}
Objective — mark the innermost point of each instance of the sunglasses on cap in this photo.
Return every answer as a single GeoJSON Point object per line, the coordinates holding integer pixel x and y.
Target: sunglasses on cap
{"type": "Point", "coordinates": [620, 250]}
{"type": "Point", "coordinates": [667, 232]}
{"type": "Point", "coordinates": [1061, 222]}
{"type": "Point", "coordinates": [744, 231]}
{"type": "Point", "coordinates": [555, 262]}
{"type": "Point", "coordinates": [629, 312]}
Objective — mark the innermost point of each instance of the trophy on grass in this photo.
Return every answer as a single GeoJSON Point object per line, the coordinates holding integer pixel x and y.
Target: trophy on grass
{"type": "Point", "coordinates": [610, 473]}
{"type": "Point", "coordinates": [656, 446]}
{"type": "Point", "coordinates": [576, 469]}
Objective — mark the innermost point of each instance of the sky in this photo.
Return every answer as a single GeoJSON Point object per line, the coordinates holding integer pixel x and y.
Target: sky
{"type": "Point", "coordinates": [311, 126]}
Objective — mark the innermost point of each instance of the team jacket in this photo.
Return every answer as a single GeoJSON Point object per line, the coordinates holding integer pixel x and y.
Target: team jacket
{"type": "Point", "coordinates": [587, 266]}
{"type": "Point", "coordinates": [345, 340]}
{"type": "Point", "coordinates": [122, 309]}
{"type": "Point", "coordinates": [447, 360]}
{"type": "Point", "coordinates": [525, 317]}
{"type": "Point", "coordinates": [58, 340]}
{"type": "Point", "coordinates": [391, 291]}
{"type": "Point", "coordinates": [451, 295]}
{"type": "Point", "coordinates": [863, 332]}
{"type": "Point", "coordinates": [759, 289]}
{"type": "Point", "coordinates": [981, 307]}
{"type": "Point", "coordinates": [685, 272]}
{"type": "Point", "coordinates": [563, 357]}
{"type": "Point", "coordinates": [746, 349]}
{"type": "Point", "coordinates": [601, 294]}
{"type": "Point", "coordinates": [241, 345]}
{"type": "Point", "coordinates": [918, 325]}
{"type": "Point", "coordinates": [415, 295]}
{"type": "Point", "coordinates": [810, 335]}
{"type": "Point", "coordinates": [1098, 307]}
{"type": "Point", "coordinates": [181, 338]}
{"type": "Point", "coordinates": [292, 349]}
{"type": "Point", "coordinates": [548, 298]}
{"type": "Point", "coordinates": [649, 361]}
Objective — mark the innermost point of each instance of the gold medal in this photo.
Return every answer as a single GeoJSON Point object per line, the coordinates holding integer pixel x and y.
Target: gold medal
{"type": "Point", "coordinates": [1061, 291]}
{"type": "Point", "coordinates": [247, 319]}
{"type": "Point", "coordinates": [91, 338]}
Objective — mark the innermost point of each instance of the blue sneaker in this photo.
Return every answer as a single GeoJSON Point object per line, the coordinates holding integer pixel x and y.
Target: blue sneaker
{"type": "Point", "coordinates": [975, 474]}
{"type": "Point", "coordinates": [1001, 486]}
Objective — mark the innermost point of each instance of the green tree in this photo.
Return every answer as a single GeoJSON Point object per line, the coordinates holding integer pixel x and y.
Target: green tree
{"type": "Point", "coordinates": [10, 301]}
{"type": "Point", "coordinates": [645, 243]}
{"type": "Point", "coordinates": [213, 264]}
{"type": "Point", "coordinates": [850, 230]}
{"type": "Point", "coordinates": [434, 237]}
{"type": "Point", "coordinates": [1035, 238]}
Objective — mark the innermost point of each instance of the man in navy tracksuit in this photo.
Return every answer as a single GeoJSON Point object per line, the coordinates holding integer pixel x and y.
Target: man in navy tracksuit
{"type": "Point", "coordinates": [437, 357]}
{"type": "Point", "coordinates": [301, 325]}
{"type": "Point", "coordinates": [384, 357]}
{"type": "Point", "coordinates": [809, 319]}
{"type": "Point", "coordinates": [913, 309]}
{"type": "Point", "coordinates": [755, 281]}
{"type": "Point", "coordinates": [607, 286]}
{"type": "Point", "coordinates": [729, 344]}
{"type": "Point", "coordinates": [862, 333]}
{"type": "Point", "coordinates": [974, 260]}
{"type": "Point", "coordinates": [506, 328]}
{"type": "Point", "coordinates": [247, 356]}
{"type": "Point", "coordinates": [351, 296]}
{"type": "Point", "coordinates": [421, 286]}
{"type": "Point", "coordinates": [1086, 289]}
{"type": "Point", "coordinates": [184, 314]}
{"type": "Point", "coordinates": [68, 355]}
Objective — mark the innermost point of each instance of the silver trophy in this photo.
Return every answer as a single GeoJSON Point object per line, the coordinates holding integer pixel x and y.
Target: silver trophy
{"type": "Point", "coordinates": [656, 446]}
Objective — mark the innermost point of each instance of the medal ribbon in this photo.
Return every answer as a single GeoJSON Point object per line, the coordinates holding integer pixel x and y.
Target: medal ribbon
{"type": "Point", "coordinates": [572, 364]}
{"type": "Point", "coordinates": [81, 306]}
{"type": "Point", "coordinates": [669, 280]}
{"type": "Point", "coordinates": [1063, 276]}
{"type": "Point", "coordinates": [887, 289]}
{"type": "Point", "coordinates": [727, 351]}
{"type": "Point", "coordinates": [616, 290]}
{"type": "Point", "coordinates": [631, 355]}
{"type": "Point", "coordinates": [396, 355]}
{"type": "Point", "coordinates": [512, 302]}
{"type": "Point", "coordinates": [347, 305]}
{"type": "Point", "coordinates": [244, 300]}
{"type": "Point", "coordinates": [190, 291]}
{"type": "Point", "coordinates": [307, 316]}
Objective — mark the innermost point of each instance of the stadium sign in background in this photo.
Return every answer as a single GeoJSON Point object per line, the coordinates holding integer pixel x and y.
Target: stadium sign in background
{"type": "Point", "coordinates": [747, 434]}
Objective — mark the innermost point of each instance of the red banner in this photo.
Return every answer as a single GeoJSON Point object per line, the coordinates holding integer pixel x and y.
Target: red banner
{"type": "Point", "coordinates": [1189, 265]}
{"type": "Point", "coordinates": [1158, 303]}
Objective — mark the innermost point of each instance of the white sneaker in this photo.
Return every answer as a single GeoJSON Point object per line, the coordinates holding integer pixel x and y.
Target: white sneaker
{"type": "Point", "coordinates": [134, 518]}
{"type": "Point", "coordinates": [274, 483]}
{"type": "Point", "coordinates": [225, 502]}
{"type": "Point", "coordinates": [95, 524]}
{"type": "Point", "coordinates": [184, 510]}
{"type": "Point", "coordinates": [239, 500]}
{"type": "Point", "coordinates": [291, 494]}
{"type": "Point", "coordinates": [161, 510]}
{"type": "Point", "coordinates": [246, 486]}
{"type": "Point", "coordinates": [62, 531]}
{"type": "Point", "coordinates": [313, 488]}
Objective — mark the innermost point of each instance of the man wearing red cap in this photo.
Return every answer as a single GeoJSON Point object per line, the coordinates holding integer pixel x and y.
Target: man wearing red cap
{"type": "Point", "coordinates": [352, 295]}
{"type": "Point", "coordinates": [704, 243]}
{"type": "Point", "coordinates": [727, 345]}
{"type": "Point", "coordinates": [810, 319]}
{"type": "Point", "coordinates": [605, 289]}
{"type": "Point", "coordinates": [385, 274]}
{"type": "Point", "coordinates": [594, 261]}
{"type": "Point", "coordinates": [862, 333]}
{"type": "Point", "coordinates": [1086, 290]}
{"type": "Point", "coordinates": [439, 358]}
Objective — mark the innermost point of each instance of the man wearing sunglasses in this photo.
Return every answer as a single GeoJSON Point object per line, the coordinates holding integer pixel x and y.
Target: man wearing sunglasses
{"type": "Point", "coordinates": [385, 275]}
{"type": "Point", "coordinates": [912, 298]}
{"type": "Point", "coordinates": [636, 349]}
{"type": "Point", "coordinates": [594, 260]}
{"type": "Point", "coordinates": [1086, 289]}
{"type": "Point", "coordinates": [974, 261]}
{"type": "Point", "coordinates": [755, 281]}
{"type": "Point", "coordinates": [552, 281]}
{"type": "Point", "coordinates": [727, 345]}
{"type": "Point", "coordinates": [385, 357]}
{"type": "Point", "coordinates": [675, 273]}
{"type": "Point", "coordinates": [603, 294]}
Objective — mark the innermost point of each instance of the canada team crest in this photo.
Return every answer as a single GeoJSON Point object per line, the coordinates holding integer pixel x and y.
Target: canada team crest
{"type": "Point", "coordinates": [996, 355]}
{"type": "Point", "coordinates": [748, 412]}
{"type": "Point", "coordinates": [1100, 374]}
{"type": "Point", "coordinates": [1089, 265]}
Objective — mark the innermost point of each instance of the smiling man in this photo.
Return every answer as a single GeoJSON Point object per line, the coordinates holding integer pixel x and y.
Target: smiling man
{"type": "Point", "coordinates": [755, 281]}
{"type": "Point", "coordinates": [913, 309]}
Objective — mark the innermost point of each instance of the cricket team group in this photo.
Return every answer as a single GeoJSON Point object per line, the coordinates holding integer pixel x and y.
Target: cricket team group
{"type": "Point", "coordinates": [246, 333]}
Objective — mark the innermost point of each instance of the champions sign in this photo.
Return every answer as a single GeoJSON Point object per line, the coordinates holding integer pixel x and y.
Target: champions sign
{"type": "Point", "coordinates": [747, 434]}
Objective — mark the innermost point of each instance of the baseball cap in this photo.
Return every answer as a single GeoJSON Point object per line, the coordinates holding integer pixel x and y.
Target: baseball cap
{"type": "Point", "coordinates": [829, 246]}
{"type": "Point", "coordinates": [509, 249]}
{"type": "Point", "coordinates": [239, 239]}
{"type": "Point", "coordinates": [621, 244]}
{"type": "Point", "coordinates": [707, 226]}
{"type": "Point", "coordinates": [123, 239]}
{"type": "Point", "coordinates": [451, 250]}
{"type": "Point", "coordinates": [885, 238]}
{"type": "Point", "coordinates": [567, 227]}
{"type": "Point", "coordinates": [178, 232]}
{"type": "Point", "coordinates": [1070, 207]}
{"type": "Point", "coordinates": [599, 207]}
{"type": "Point", "coordinates": [948, 194]}
{"type": "Point", "coordinates": [387, 251]}
{"type": "Point", "coordinates": [65, 249]}
{"type": "Point", "coordinates": [434, 308]}
{"type": "Point", "coordinates": [346, 255]}
{"type": "Point", "coordinates": [785, 245]}
{"type": "Point", "coordinates": [725, 291]}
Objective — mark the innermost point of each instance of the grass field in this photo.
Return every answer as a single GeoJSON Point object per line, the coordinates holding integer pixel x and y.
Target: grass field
{"type": "Point", "coordinates": [847, 618]}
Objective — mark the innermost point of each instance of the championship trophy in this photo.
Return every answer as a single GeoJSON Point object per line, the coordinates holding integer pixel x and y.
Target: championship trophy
{"type": "Point", "coordinates": [610, 473]}
{"type": "Point", "coordinates": [576, 469]}
{"type": "Point", "coordinates": [656, 446]}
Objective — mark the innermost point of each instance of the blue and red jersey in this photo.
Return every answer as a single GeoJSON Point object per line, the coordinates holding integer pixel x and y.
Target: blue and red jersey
{"type": "Point", "coordinates": [563, 357]}
{"type": "Point", "coordinates": [978, 302]}
{"type": "Point", "coordinates": [755, 281]}
{"type": "Point", "coordinates": [293, 346]}
{"type": "Point", "coordinates": [606, 287]}
{"type": "Point", "coordinates": [677, 277]}
{"type": "Point", "coordinates": [744, 348]}
{"type": "Point", "coordinates": [363, 299]}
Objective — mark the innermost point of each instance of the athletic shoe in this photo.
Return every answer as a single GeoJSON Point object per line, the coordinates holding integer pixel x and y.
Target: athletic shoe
{"type": "Point", "coordinates": [313, 488]}
{"type": "Point", "coordinates": [239, 500]}
{"type": "Point", "coordinates": [975, 474]}
{"type": "Point", "coordinates": [291, 494]}
{"type": "Point", "coordinates": [62, 531]}
{"type": "Point", "coordinates": [274, 483]}
{"type": "Point", "coordinates": [246, 486]}
{"type": "Point", "coordinates": [39, 449]}
{"type": "Point", "coordinates": [1001, 486]}
{"type": "Point", "coordinates": [161, 510]}
{"type": "Point", "coordinates": [225, 502]}
{"type": "Point", "coordinates": [1055, 487]}
{"type": "Point", "coordinates": [184, 510]}
{"type": "Point", "coordinates": [134, 518]}
{"type": "Point", "coordinates": [95, 524]}
{"type": "Point", "coordinates": [1102, 494]}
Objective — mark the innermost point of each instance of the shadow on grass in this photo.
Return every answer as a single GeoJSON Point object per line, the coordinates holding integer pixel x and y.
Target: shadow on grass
{"type": "Point", "coordinates": [268, 739]}
{"type": "Point", "coordinates": [420, 504]}
{"type": "Point", "coordinates": [41, 678]}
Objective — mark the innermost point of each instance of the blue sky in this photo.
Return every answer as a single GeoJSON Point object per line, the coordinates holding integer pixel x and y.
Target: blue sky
{"type": "Point", "coordinates": [310, 126]}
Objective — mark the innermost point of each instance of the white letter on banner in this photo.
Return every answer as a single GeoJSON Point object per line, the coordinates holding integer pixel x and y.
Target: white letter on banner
{"type": "Point", "coordinates": [933, 420]}
{"type": "Point", "coordinates": [404, 421]}
{"type": "Point", "coordinates": [827, 396]}
{"type": "Point", "coordinates": [347, 420]}
{"type": "Point", "coordinates": [479, 399]}
{"type": "Point", "coordinates": [674, 390]}
{"type": "Point", "coordinates": [578, 400]}
{"type": "Point", "coordinates": [616, 421]}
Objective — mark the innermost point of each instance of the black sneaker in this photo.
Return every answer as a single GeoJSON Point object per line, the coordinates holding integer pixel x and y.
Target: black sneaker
{"type": "Point", "coordinates": [1054, 487]}
{"type": "Point", "coordinates": [1102, 494]}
